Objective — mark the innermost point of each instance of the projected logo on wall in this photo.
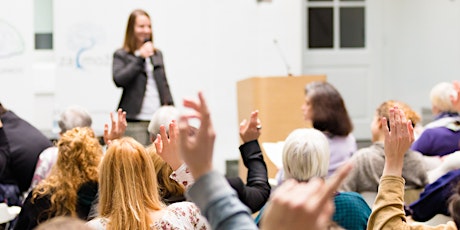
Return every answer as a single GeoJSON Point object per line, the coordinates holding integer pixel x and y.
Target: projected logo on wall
{"type": "Point", "coordinates": [11, 41]}
{"type": "Point", "coordinates": [85, 40]}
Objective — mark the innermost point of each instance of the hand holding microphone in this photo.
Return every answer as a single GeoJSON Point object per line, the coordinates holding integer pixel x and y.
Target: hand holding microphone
{"type": "Point", "coordinates": [146, 49]}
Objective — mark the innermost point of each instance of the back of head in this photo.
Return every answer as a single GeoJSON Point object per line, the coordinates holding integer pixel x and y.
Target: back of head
{"type": "Point", "coordinates": [63, 222]}
{"type": "Point", "coordinates": [306, 154]}
{"type": "Point", "coordinates": [440, 97]}
{"type": "Point", "coordinates": [74, 116]}
{"type": "Point", "coordinates": [384, 111]}
{"type": "Point", "coordinates": [167, 187]}
{"type": "Point", "coordinates": [163, 116]}
{"type": "Point", "coordinates": [127, 185]}
{"type": "Point", "coordinates": [78, 160]}
{"type": "Point", "coordinates": [328, 107]}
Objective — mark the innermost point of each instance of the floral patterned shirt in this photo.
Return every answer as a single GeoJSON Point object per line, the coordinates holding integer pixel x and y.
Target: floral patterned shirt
{"type": "Point", "coordinates": [181, 215]}
{"type": "Point", "coordinates": [183, 176]}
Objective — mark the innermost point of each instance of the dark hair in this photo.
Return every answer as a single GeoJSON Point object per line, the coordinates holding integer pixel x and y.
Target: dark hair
{"type": "Point", "coordinates": [130, 40]}
{"type": "Point", "coordinates": [2, 109]}
{"type": "Point", "coordinates": [328, 109]}
{"type": "Point", "coordinates": [454, 205]}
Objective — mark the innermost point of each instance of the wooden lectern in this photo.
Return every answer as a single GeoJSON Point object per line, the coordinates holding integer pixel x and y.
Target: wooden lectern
{"type": "Point", "coordinates": [279, 101]}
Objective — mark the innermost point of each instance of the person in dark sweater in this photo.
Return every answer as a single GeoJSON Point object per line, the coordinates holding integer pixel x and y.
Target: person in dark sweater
{"type": "Point", "coordinates": [18, 160]}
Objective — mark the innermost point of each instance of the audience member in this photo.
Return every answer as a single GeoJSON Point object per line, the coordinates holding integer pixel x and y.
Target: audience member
{"type": "Point", "coordinates": [440, 137]}
{"type": "Point", "coordinates": [388, 209]}
{"type": "Point", "coordinates": [170, 190]}
{"type": "Point", "coordinates": [254, 193]}
{"type": "Point", "coordinates": [435, 198]}
{"type": "Point", "coordinates": [312, 208]}
{"type": "Point", "coordinates": [369, 162]}
{"type": "Point", "coordinates": [72, 117]}
{"type": "Point", "coordinates": [128, 193]}
{"type": "Point", "coordinates": [306, 155]}
{"type": "Point", "coordinates": [25, 143]}
{"type": "Point", "coordinates": [325, 110]}
{"type": "Point", "coordinates": [71, 186]}
{"type": "Point", "coordinates": [138, 68]}
{"type": "Point", "coordinates": [63, 222]}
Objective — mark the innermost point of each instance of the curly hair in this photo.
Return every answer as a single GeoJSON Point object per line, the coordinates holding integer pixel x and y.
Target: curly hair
{"type": "Point", "coordinates": [384, 111]}
{"type": "Point", "coordinates": [79, 156]}
{"type": "Point", "coordinates": [128, 191]}
{"type": "Point", "coordinates": [166, 186]}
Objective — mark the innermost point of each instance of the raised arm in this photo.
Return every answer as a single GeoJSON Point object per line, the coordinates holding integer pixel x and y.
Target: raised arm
{"type": "Point", "coordinates": [256, 191]}
{"type": "Point", "coordinates": [211, 192]}
{"type": "Point", "coordinates": [388, 208]}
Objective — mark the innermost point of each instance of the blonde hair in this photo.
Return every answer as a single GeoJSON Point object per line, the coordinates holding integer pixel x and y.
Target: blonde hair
{"type": "Point", "coordinates": [384, 111]}
{"type": "Point", "coordinates": [306, 154]}
{"type": "Point", "coordinates": [128, 189]}
{"type": "Point", "coordinates": [79, 156]}
{"type": "Point", "coordinates": [440, 97]}
{"type": "Point", "coordinates": [167, 187]}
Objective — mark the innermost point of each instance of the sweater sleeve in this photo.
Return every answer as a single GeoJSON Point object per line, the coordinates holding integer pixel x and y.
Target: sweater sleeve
{"type": "Point", "coordinates": [219, 203]}
{"type": "Point", "coordinates": [388, 212]}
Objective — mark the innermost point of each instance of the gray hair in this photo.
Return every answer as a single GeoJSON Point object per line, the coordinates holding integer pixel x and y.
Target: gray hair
{"type": "Point", "coordinates": [440, 96]}
{"type": "Point", "coordinates": [306, 154]}
{"type": "Point", "coordinates": [163, 116]}
{"type": "Point", "coordinates": [74, 116]}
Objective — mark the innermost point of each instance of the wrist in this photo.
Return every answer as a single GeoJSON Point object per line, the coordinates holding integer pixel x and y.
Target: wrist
{"type": "Point", "coordinates": [137, 53]}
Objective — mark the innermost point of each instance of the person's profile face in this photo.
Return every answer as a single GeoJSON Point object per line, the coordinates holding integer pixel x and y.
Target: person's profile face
{"type": "Point", "coordinates": [307, 109]}
{"type": "Point", "coordinates": [142, 28]}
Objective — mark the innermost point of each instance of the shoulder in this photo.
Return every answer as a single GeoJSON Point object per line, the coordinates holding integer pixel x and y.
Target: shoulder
{"type": "Point", "coordinates": [120, 53]}
{"type": "Point", "coordinates": [182, 215]}
{"type": "Point", "coordinates": [98, 223]}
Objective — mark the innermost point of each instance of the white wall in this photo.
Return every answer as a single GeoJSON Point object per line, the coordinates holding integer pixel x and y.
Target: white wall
{"type": "Point", "coordinates": [207, 45]}
{"type": "Point", "coordinates": [210, 45]}
{"type": "Point", "coordinates": [421, 48]}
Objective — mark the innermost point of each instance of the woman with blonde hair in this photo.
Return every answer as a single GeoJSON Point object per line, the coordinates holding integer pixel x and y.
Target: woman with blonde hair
{"type": "Point", "coordinates": [128, 194]}
{"type": "Point", "coordinates": [170, 190]}
{"type": "Point", "coordinates": [71, 185]}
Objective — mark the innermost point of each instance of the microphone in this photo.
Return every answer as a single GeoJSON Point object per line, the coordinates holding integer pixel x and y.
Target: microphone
{"type": "Point", "coordinates": [150, 57]}
{"type": "Point", "coordinates": [280, 52]}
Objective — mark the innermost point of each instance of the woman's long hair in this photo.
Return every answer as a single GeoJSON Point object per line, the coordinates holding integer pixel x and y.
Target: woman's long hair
{"type": "Point", "coordinates": [128, 191]}
{"type": "Point", "coordinates": [130, 43]}
{"type": "Point", "coordinates": [166, 186]}
{"type": "Point", "coordinates": [77, 163]}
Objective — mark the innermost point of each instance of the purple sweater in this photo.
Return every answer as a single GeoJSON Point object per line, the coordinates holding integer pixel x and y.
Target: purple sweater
{"type": "Point", "coordinates": [440, 140]}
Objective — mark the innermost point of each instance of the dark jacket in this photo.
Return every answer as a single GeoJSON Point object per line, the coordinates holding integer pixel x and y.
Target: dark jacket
{"type": "Point", "coordinates": [129, 74]}
{"type": "Point", "coordinates": [25, 145]}
{"type": "Point", "coordinates": [34, 213]}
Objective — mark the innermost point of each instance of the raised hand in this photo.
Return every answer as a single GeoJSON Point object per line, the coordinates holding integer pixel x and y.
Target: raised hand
{"type": "Point", "coordinates": [312, 207]}
{"type": "Point", "coordinates": [167, 147]}
{"type": "Point", "coordinates": [250, 131]}
{"type": "Point", "coordinates": [398, 139]}
{"type": "Point", "coordinates": [118, 127]}
{"type": "Point", "coordinates": [197, 150]}
{"type": "Point", "coordinates": [455, 99]}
